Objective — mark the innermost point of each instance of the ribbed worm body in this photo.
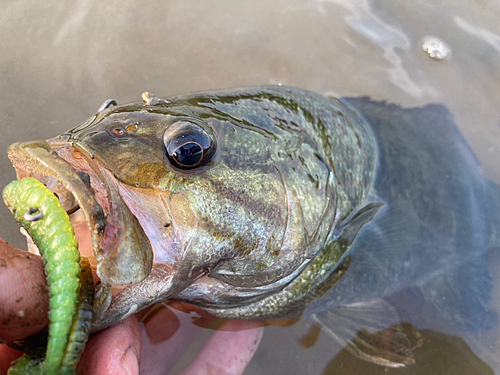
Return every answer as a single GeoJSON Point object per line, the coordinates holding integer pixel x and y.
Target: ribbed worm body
{"type": "Point", "coordinates": [78, 336]}
{"type": "Point", "coordinates": [82, 321]}
{"type": "Point", "coordinates": [38, 210]}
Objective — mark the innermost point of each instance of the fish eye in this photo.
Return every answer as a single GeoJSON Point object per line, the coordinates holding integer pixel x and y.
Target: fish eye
{"type": "Point", "coordinates": [188, 145]}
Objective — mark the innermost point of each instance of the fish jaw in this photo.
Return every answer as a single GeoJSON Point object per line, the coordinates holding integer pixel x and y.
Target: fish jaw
{"type": "Point", "coordinates": [121, 248]}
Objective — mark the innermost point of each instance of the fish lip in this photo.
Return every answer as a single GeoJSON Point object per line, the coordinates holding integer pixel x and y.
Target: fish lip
{"type": "Point", "coordinates": [37, 159]}
{"type": "Point", "coordinates": [115, 232]}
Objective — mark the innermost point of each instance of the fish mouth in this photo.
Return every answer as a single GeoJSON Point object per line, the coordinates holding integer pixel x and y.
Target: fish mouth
{"type": "Point", "coordinates": [122, 251]}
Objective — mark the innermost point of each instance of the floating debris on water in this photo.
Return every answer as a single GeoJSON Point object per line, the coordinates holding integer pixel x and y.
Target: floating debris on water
{"type": "Point", "coordinates": [436, 48]}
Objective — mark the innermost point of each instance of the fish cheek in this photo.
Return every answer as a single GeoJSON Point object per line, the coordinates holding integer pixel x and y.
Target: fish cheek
{"type": "Point", "coordinates": [137, 161]}
{"type": "Point", "coordinates": [147, 174]}
{"type": "Point", "coordinates": [184, 218]}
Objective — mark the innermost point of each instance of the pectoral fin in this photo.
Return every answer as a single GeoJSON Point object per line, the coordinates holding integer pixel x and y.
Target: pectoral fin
{"type": "Point", "coordinates": [349, 229]}
{"type": "Point", "coordinates": [371, 331]}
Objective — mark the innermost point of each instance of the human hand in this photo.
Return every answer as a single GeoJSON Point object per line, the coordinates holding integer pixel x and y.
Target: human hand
{"type": "Point", "coordinates": [161, 338]}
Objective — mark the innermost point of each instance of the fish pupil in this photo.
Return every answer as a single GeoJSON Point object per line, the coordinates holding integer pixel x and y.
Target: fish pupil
{"type": "Point", "coordinates": [189, 154]}
{"type": "Point", "coordinates": [189, 144]}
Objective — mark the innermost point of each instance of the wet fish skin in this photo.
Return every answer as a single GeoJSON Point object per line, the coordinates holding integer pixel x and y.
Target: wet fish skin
{"type": "Point", "coordinates": [266, 225]}
{"type": "Point", "coordinates": [438, 224]}
{"type": "Point", "coordinates": [291, 167]}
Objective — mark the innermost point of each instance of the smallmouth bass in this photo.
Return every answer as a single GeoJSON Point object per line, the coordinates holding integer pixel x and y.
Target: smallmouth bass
{"type": "Point", "coordinates": [248, 202]}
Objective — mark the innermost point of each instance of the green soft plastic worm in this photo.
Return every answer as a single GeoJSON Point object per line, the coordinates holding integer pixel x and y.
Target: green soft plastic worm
{"type": "Point", "coordinates": [38, 210]}
{"type": "Point", "coordinates": [82, 321]}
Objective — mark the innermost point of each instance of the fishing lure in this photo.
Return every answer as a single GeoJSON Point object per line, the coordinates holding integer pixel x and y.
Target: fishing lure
{"type": "Point", "coordinates": [38, 210]}
{"type": "Point", "coordinates": [82, 322]}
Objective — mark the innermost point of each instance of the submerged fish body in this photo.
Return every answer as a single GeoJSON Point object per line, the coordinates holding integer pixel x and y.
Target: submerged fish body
{"type": "Point", "coordinates": [435, 232]}
{"type": "Point", "coordinates": [439, 210]}
{"type": "Point", "coordinates": [259, 202]}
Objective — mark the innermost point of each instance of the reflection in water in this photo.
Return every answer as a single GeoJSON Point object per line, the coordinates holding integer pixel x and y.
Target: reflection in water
{"type": "Point", "coordinates": [163, 317]}
{"type": "Point", "coordinates": [391, 348]}
{"type": "Point", "coordinates": [168, 347]}
{"type": "Point", "coordinates": [435, 353]}
{"type": "Point", "coordinates": [310, 339]}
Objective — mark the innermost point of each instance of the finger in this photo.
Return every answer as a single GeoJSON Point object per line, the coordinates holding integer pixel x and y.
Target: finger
{"type": "Point", "coordinates": [23, 295]}
{"type": "Point", "coordinates": [229, 350]}
{"type": "Point", "coordinates": [115, 350]}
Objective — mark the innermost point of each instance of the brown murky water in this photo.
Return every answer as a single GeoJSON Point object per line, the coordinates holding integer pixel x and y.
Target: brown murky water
{"type": "Point", "coordinates": [60, 60]}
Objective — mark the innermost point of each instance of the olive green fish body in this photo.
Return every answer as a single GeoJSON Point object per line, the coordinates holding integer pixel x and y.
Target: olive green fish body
{"type": "Point", "coordinates": [251, 199]}
{"type": "Point", "coordinates": [274, 202]}
{"type": "Point", "coordinates": [438, 224]}
{"type": "Point", "coordinates": [238, 191]}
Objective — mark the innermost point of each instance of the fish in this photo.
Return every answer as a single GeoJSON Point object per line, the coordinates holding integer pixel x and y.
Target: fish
{"type": "Point", "coordinates": [274, 202]}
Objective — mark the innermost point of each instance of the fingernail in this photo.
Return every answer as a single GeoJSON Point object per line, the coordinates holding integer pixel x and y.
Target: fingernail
{"type": "Point", "coordinates": [129, 362]}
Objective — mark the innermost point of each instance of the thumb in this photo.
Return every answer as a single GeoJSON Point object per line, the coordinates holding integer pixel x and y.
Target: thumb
{"type": "Point", "coordinates": [23, 293]}
{"type": "Point", "coordinates": [116, 350]}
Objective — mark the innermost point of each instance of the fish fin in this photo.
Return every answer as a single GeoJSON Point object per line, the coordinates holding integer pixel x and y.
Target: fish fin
{"type": "Point", "coordinates": [371, 331]}
{"type": "Point", "coordinates": [347, 231]}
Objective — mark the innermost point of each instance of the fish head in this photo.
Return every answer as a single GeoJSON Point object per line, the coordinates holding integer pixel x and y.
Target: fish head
{"type": "Point", "coordinates": [187, 187]}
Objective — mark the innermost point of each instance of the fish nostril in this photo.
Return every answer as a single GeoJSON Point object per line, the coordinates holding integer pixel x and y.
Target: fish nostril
{"type": "Point", "coordinates": [119, 132]}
